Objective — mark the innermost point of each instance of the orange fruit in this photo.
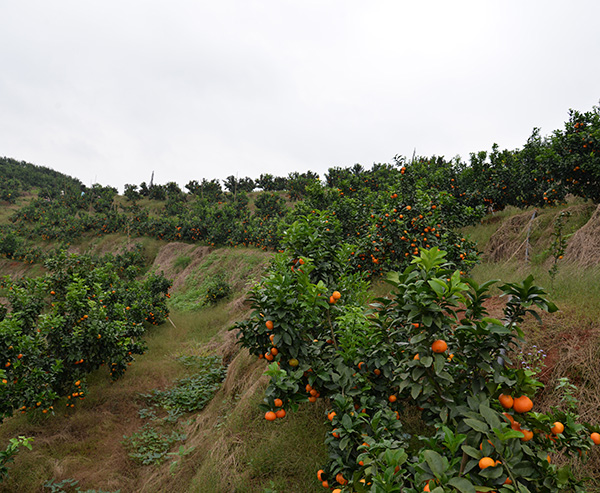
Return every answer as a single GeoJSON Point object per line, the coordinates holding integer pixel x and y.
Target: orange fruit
{"type": "Point", "coordinates": [361, 364]}
{"type": "Point", "coordinates": [377, 371]}
{"type": "Point", "coordinates": [558, 428]}
{"type": "Point", "coordinates": [339, 477]}
{"type": "Point", "coordinates": [392, 398]}
{"type": "Point", "coordinates": [280, 413]}
{"type": "Point", "coordinates": [269, 325]}
{"type": "Point", "coordinates": [336, 295]}
{"type": "Point", "coordinates": [274, 351]}
{"type": "Point", "coordinates": [331, 415]}
{"type": "Point", "coordinates": [270, 416]}
{"type": "Point", "coordinates": [522, 404]}
{"type": "Point", "coordinates": [485, 462]}
{"type": "Point", "coordinates": [426, 487]}
{"type": "Point", "coordinates": [416, 356]}
{"type": "Point", "coordinates": [528, 435]}
{"type": "Point", "coordinates": [506, 401]}
{"type": "Point", "coordinates": [595, 438]}
{"type": "Point", "coordinates": [278, 402]}
{"type": "Point", "coordinates": [439, 346]}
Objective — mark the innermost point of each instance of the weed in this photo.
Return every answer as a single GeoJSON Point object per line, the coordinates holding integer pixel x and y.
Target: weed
{"type": "Point", "coordinates": [182, 262]}
{"type": "Point", "coordinates": [69, 486]}
{"type": "Point", "coordinates": [192, 393]}
{"type": "Point", "coordinates": [8, 455]}
{"type": "Point", "coordinates": [559, 243]}
{"type": "Point", "coordinates": [150, 445]}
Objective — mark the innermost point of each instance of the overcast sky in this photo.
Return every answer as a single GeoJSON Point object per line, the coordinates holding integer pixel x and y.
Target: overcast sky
{"type": "Point", "coordinates": [109, 91]}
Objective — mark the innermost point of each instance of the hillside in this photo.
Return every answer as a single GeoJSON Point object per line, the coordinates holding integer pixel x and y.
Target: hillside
{"type": "Point", "coordinates": [170, 423]}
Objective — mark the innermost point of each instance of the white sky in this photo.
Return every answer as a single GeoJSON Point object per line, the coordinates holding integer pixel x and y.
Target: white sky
{"type": "Point", "coordinates": [108, 91]}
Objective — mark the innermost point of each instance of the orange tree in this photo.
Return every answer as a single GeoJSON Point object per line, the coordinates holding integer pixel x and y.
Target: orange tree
{"type": "Point", "coordinates": [59, 327]}
{"type": "Point", "coordinates": [573, 155]}
{"type": "Point", "coordinates": [428, 346]}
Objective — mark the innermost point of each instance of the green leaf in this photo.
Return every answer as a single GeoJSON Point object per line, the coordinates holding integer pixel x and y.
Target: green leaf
{"type": "Point", "coordinates": [418, 338]}
{"type": "Point", "coordinates": [415, 390]}
{"type": "Point", "coordinates": [490, 416]}
{"type": "Point", "coordinates": [435, 462]}
{"type": "Point", "coordinates": [462, 484]}
{"type": "Point", "coordinates": [426, 361]}
{"type": "Point", "coordinates": [471, 451]}
{"type": "Point", "coordinates": [439, 363]}
{"type": "Point", "coordinates": [477, 425]}
{"type": "Point", "coordinates": [438, 286]}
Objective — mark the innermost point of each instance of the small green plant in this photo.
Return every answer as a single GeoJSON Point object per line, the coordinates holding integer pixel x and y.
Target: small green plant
{"type": "Point", "coordinates": [191, 393]}
{"type": "Point", "coordinates": [150, 445]}
{"type": "Point", "coordinates": [559, 242]}
{"type": "Point", "coordinates": [8, 455]}
{"type": "Point", "coordinates": [69, 486]}
{"type": "Point", "coordinates": [216, 289]}
{"type": "Point", "coordinates": [568, 390]}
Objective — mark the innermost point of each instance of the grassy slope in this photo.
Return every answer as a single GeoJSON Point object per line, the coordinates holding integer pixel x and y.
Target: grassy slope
{"type": "Point", "coordinates": [232, 447]}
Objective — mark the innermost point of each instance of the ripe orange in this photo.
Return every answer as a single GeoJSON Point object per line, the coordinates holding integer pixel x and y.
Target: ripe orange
{"type": "Point", "coordinates": [274, 351]}
{"type": "Point", "coordinates": [336, 295]}
{"type": "Point", "coordinates": [280, 413]}
{"type": "Point", "coordinates": [558, 428]}
{"type": "Point", "coordinates": [331, 415]}
{"type": "Point", "coordinates": [320, 475]}
{"type": "Point", "coordinates": [439, 346]}
{"type": "Point", "coordinates": [361, 364]}
{"type": "Point", "coordinates": [377, 371]}
{"type": "Point", "coordinates": [595, 438]}
{"type": "Point", "coordinates": [485, 462]}
{"type": "Point", "coordinates": [416, 356]}
{"type": "Point", "coordinates": [269, 325]}
{"type": "Point", "coordinates": [339, 477]}
{"type": "Point", "coordinates": [270, 416]}
{"type": "Point", "coordinates": [528, 435]}
{"type": "Point", "coordinates": [392, 398]}
{"type": "Point", "coordinates": [278, 402]}
{"type": "Point", "coordinates": [426, 487]}
{"type": "Point", "coordinates": [522, 404]}
{"type": "Point", "coordinates": [506, 401]}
